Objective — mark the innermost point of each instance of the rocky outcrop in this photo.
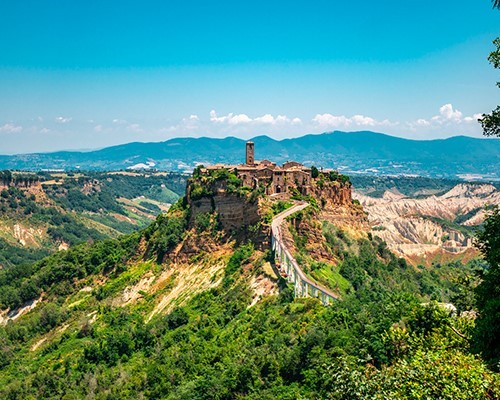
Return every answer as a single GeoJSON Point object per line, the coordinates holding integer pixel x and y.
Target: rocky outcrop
{"type": "Point", "coordinates": [411, 227]}
{"type": "Point", "coordinates": [28, 236]}
{"type": "Point", "coordinates": [233, 211]}
{"type": "Point", "coordinates": [333, 194]}
{"type": "Point", "coordinates": [236, 213]}
{"type": "Point", "coordinates": [239, 212]}
{"type": "Point", "coordinates": [336, 206]}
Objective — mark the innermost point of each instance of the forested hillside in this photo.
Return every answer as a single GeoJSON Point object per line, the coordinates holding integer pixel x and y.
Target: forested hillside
{"type": "Point", "coordinates": [130, 318]}
{"type": "Point", "coordinates": [364, 151]}
{"type": "Point", "coordinates": [41, 213]}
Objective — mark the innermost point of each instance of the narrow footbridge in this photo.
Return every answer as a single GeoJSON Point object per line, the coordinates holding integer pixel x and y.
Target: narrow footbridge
{"type": "Point", "coordinates": [289, 267]}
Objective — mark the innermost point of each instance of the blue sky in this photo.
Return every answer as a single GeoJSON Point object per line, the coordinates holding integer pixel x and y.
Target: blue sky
{"type": "Point", "coordinates": [87, 74]}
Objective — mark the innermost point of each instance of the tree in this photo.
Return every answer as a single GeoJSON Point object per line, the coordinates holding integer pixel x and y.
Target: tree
{"type": "Point", "coordinates": [487, 334]}
{"type": "Point", "coordinates": [314, 170]}
{"type": "Point", "coordinates": [491, 122]}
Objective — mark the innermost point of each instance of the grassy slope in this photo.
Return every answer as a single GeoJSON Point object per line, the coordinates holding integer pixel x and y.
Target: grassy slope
{"type": "Point", "coordinates": [378, 341]}
{"type": "Point", "coordinates": [74, 208]}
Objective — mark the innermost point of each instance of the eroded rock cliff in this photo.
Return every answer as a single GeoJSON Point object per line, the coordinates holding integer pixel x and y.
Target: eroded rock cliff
{"type": "Point", "coordinates": [422, 228]}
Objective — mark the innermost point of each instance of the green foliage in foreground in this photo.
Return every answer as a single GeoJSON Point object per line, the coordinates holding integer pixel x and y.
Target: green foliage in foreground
{"type": "Point", "coordinates": [382, 341]}
{"type": "Point", "coordinates": [488, 292]}
{"type": "Point", "coordinates": [491, 122]}
{"type": "Point", "coordinates": [217, 348]}
{"type": "Point", "coordinates": [13, 255]}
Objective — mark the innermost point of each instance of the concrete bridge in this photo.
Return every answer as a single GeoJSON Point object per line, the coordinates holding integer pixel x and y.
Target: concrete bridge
{"type": "Point", "coordinates": [304, 287]}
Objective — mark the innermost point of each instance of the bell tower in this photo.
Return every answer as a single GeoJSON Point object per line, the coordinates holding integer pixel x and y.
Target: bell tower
{"type": "Point", "coordinates": [250, 159]}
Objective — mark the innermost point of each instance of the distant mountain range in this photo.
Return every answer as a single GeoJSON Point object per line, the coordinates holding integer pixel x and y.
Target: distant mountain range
{"type": "Point", "coordinates": [351, 152]}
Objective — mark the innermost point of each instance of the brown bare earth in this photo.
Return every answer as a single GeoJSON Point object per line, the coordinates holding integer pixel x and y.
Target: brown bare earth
{"type": "Point", "coordinates": [184, 280]}
{"type": "Point", "coordinates": [414, 228]}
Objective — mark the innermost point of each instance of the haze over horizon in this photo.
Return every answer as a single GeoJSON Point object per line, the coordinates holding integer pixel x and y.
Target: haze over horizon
{"type": "Point", "coordinates": [90, 75]}
{"type": "Point", "coordinates": [279, 139]}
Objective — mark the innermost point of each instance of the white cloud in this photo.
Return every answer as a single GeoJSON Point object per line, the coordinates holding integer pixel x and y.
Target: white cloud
{"type": "Point", "coordinates": [448, 119]}
{"type": "Point", "coordinates": [281, 119]}
{"type": "Point", "coordinates": [448, 116]}
{"type": "Point", "coordinates": [331, 120]}
{"type": "Point", "coordinates": [239, 119]}
{"type": "Point", "coordinates": [11, 128]}
{"type": "Point", "coordinates": [363, 121]}
{"type": "Point", "coordinates": [447, 112]}
{"type": "Point", "coordinates": [269, 119]}
{"type": "Point", "coordinates": [474, 118]}
{"type": "Point", "coordinates": [422, 122]}
{"type": "Point", "coordinates": [230, 118]}
{"type": "Point", "coordinates": [266, 119]}
{"type": "Point", "coordinates": [98, 128]}
{"type": "Point", "coordinates": [213, 116]}
{"type": "Point", "coordinates": [341, 121]}
{"type": "Point", "coordinates": [44, 130]}
{"type": "Point", "coordinates": [63, 120]}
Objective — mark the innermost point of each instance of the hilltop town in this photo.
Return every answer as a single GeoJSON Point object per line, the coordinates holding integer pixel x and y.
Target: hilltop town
{"type": "Point", "coordinates": [273, 178]}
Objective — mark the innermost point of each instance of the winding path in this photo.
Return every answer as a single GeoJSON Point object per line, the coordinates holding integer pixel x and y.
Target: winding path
{"type": "Point", "coordinates": [304, 287]}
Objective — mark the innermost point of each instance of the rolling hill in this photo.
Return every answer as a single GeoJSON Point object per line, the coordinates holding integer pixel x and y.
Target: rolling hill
{"type": "Point", "coordinates": [181, 310]}
{"type": "Point", "coordinates": [362, 152]}
{"type": "Point", "coordinates": [45, 212]}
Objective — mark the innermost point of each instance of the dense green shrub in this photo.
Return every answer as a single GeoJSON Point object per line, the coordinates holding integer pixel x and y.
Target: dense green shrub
{"type": "Point", "coordinates": [382, 341]}
{"type": "Point", "coordinates": [168, 229]}
{"type": "Point", "coordinates": [487, 335]}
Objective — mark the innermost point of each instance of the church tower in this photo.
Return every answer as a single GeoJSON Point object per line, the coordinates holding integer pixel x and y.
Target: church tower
{"type": "Point", "coordinates": [250, 159]}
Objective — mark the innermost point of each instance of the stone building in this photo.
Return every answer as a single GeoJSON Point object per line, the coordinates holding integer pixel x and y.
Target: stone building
{"type": "Point", "coordinates": [275, 179]}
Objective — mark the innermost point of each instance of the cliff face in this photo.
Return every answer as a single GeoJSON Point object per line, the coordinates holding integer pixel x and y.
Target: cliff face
{"type": "Point", "coordinates": [234, 212]}
{"type": "Point", "coordinates": [332, 194]}
{"type": "Point", "coordinates": [418, 229]}
{"type": "Point", "coordinates": [21, 185]}
{"type": "Point", "coordinates": [336, 206]}
{"type": "Point", "coordinates": [239, 212]}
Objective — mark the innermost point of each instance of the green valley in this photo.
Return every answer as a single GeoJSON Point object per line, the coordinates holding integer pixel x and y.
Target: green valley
{"type": "Point", "coordinates": [279, 200]}
{"type": "Point", "coordinates": [44, 212]}
{"type": "Point", "coordinates": [184, 309]}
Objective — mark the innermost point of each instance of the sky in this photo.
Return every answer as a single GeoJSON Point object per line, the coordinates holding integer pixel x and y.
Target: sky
{"type": "Point", "coordinates": [90, 74]}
